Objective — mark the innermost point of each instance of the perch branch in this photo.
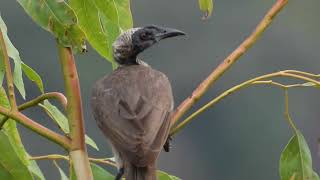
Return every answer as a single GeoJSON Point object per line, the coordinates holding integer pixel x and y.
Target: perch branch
{"type": "Point", "coordinates": [78, 151]}
{"type": "Point", "coordinates": [257, 80]}
{"type": "Point", "coordinates": [230, 60]}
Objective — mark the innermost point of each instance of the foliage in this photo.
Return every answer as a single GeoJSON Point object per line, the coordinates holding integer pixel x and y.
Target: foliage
{"type": "Point", "coordinates": [58, 18]}
{"type": "Point", "coordinates": [206, 6]}
{"type": "Point", "coordinates": [14, 160]}
{"type": "Point", "coordinates": [102, 21]}
{"type": "Point", "coordinates": [99, 22]}
{"type": "Point", "coordinates": [295, 160]}
{"type": "Point", "coordinates": [71, 27]}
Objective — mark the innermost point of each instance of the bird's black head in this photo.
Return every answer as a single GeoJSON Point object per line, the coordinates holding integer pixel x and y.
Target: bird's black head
{"type": "Point", "coordinates": [132, 42]}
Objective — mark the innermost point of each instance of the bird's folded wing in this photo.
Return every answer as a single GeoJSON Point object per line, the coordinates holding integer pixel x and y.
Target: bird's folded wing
{"type": "Point", "coordinates": [138, 128]}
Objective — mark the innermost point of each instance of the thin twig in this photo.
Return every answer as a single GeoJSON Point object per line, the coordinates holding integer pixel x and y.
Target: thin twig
{"type": "Point", "coordinates": [51, 95]}
{"type": "Point", "coordinates": [236, 88]}
{"type": "Point", "coordinates": [103, 161]}
{"type": "Point", "coordinates": [62, 157]}
{"type": "Point", "coordinates": [271, 82]}
{"type": "Point", "coordinates": [303, 73]}
{"type": "Point", "coordinates": [230, 60]}
{"type": "Point", "coordinates": [9, 77]}
{"type": "Point", "coordinates": [38, 128]}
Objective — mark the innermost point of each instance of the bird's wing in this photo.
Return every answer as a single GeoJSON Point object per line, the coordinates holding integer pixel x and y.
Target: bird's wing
{"type": "Point", "coordinates": [139, 131]}
{"type": "Point", "coordinates": [136, 125]}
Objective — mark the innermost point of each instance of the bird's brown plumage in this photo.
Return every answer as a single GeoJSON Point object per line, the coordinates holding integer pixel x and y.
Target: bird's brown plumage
{"type": "Point", "coordinates": [132, 107]}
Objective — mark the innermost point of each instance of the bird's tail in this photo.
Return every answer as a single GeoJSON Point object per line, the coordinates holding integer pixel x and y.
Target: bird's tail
{"type": "Point", "coordinates": [140, 173]}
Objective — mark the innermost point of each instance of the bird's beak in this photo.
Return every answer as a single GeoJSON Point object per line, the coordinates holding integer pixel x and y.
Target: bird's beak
{"type": "Point", "coordinates": [169, 32]}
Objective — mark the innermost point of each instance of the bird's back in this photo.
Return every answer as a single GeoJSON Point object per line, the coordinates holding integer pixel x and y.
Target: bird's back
{"type": "Point", "coordinates": [132, 107]}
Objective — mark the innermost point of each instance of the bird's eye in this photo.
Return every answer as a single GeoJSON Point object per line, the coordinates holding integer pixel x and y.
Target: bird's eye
{"type": "Point", "coordinates": [143, 36]}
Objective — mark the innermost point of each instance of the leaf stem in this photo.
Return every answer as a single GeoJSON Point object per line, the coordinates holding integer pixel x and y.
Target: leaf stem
{"type": "Point", "coordinates": [286, 112]}
{"type": "Point", "coordinates": [230, 91]}
{"type": "Point", "coordinates": [51, 95]}
{"type": "Point", "coordinates": [228, 62]}
{"type": "Point", "coordinates": [9, 77]}
{"type": "Point", "coordinates": [78, 151]}
{"type": "Point", "coordinates": [38, 128]}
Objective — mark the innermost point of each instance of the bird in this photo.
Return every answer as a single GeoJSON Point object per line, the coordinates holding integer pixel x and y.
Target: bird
{"type": "Point", "coordinates": [133, 105]}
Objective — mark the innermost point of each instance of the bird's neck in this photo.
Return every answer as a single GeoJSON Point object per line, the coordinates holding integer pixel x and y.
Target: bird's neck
{"type": "Point", "coordinates": [126, 61]}
{"type": "Point", "coordinates": [142, 63]}
{"type": "Point", "coordinates": [132, 61]}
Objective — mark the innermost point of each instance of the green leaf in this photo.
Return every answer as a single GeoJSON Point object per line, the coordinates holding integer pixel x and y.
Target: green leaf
{"type": "Point", "coordinates": [62, 121]}
{"type": "Point", "coordinates": [58, 18]}
{"type": "Point", "coordinates": [98, 173]}
{"type": "Point", "coordinates": [19, 66]}
{"type": "Point", "coordinates": [206, 6]}
{"type": "Point", "coordinates": [11, 129]}
{"type": "Point", "coordinates": [35, 170]}
{"type": "Point", "coordinates": [2, 68]}
{"type": "Point", "coordinates": [102, 21]}
{"type": "Point", "coordinates": [117, 12]}
{"type": "Point", "coordinates": [3, 101]}
{"type": "Point", "coordinates": [14, 54]}
{"type": "Point", "coordinates": [15, 141]}
{"type": "Point", "coordinates": [33, 76]}
{"type": "Point", "coordinates": [11, 165]}
{"type": "Point", "coordinates": [165, 176]}
{"type": "Point", "coordinates": [62, 174]}
{"type": "Point", "coordinates": [56, 115]}
{"type": "Point", "coordinates": [295, 160]}
{"type": "Point", "coordinates": [90, 142]}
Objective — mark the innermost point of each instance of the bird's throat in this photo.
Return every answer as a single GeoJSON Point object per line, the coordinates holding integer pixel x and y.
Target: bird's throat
{"type": "Point", "coordinates": [128, 61]}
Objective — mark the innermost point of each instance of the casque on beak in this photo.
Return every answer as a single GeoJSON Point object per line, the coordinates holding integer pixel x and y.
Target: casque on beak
{"type": "Point", "coordinates": [168, 32]}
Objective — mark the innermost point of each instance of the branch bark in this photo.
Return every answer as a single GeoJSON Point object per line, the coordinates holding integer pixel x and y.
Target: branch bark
{"type": "Point", "coordinates": [78, 151]}
{"type": "Point", "coordinates": [227, 62]}
{"type": "Point", "coordinates": [51, 95]}
{"type": "Point", "coordinates": [9, 77]}
{"type": "Point", "coordinates": [38, 128]}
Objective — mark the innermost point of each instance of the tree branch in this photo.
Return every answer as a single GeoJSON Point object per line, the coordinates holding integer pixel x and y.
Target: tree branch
{"type": "Point", "coordinates": [9, 77]}
{"type": "Point", "coordinates": [238, 87]}
{"type": "Point", "coordinates": [51, 95]}
{"type": "Point", "coordinates": [78, 151]}
{"type": "Point", "coordinates": [38, 128]}
{"type": "Point", "coordinates": [230, 60]}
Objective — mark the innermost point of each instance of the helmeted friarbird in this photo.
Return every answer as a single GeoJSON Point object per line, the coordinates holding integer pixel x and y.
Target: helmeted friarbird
{"type": "Point", "coordinates": [132, 105]}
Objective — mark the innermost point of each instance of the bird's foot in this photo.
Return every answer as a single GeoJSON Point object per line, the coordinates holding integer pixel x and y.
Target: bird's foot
{"type": "Point", "coordinates": [120, 173]}
{"type": "Point", "coordinates": [167, 144]}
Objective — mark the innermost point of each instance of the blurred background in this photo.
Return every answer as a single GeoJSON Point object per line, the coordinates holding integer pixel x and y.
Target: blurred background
{"type": "Point", "coordinates": [239, 138]}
